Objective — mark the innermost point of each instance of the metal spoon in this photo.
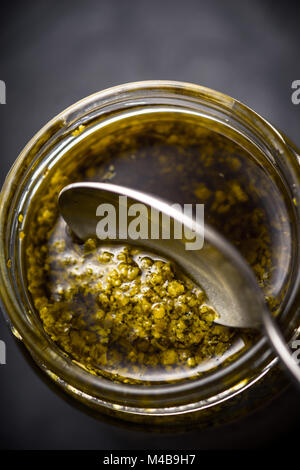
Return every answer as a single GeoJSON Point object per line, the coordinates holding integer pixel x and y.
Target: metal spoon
{"type": "Point", "coordinates": [217, 267]}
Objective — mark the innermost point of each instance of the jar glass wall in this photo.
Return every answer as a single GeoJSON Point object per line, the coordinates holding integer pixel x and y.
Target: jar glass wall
{"type": "Point", "coordinates": [95, 130]}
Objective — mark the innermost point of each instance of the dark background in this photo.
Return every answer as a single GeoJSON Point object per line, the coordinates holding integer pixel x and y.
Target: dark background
{"type": "Point", "coordinates": [53, 53]}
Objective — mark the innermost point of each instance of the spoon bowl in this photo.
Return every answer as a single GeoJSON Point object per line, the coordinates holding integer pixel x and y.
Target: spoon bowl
{"type": "Point", "coordinates": [215, 265]}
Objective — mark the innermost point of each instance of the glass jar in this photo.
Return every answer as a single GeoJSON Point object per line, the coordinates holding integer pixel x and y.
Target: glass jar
{"type": "Point", "coordinates": [71, 137]}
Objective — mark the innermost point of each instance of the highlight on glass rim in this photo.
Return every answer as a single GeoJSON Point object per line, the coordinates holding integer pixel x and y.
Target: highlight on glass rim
{"type": "Point", "coordinates": [149, 229]}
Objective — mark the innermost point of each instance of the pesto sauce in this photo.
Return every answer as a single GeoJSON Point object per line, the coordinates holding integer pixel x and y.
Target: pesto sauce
{"type": "Point", "coordinates": [133, 316]}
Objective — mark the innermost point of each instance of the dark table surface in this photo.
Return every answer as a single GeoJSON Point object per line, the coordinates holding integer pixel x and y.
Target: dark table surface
{"type": "Point", "coordinates": [55, 53]}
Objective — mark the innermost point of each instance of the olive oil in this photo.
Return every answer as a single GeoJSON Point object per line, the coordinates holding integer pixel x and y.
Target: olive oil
{"type": "Point", "coordinates": [184, 159]}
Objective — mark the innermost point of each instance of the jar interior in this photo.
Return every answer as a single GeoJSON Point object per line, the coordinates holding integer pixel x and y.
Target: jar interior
{"type": "Point", "coordinates": [182, 157]}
